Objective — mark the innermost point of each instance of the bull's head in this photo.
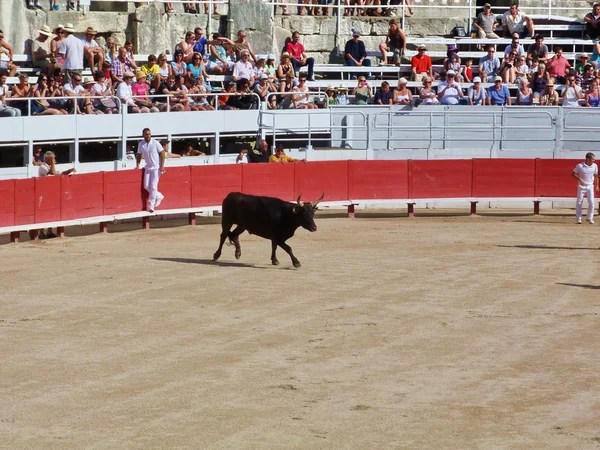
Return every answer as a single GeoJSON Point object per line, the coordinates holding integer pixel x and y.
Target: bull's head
{"type": "Point", "coordinates": [307, 212]}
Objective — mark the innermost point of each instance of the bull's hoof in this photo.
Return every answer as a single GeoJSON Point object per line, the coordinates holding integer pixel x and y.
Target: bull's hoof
{"type": "Point", "coordinates": [297, 264]}
{"type": "Point", "coordinates": [216, 256]}
{"type": "Point", "coordinates": [275, 262]}
{"type": "Point", "coordinates": [238, 254]}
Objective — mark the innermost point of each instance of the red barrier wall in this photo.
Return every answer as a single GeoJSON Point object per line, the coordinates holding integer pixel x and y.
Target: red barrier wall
{"type": "Point", "coordinates": [52, 199]}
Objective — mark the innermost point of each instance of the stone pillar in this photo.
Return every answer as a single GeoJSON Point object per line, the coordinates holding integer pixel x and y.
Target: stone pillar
{"type": "Point", "coordinates": [254, 16]}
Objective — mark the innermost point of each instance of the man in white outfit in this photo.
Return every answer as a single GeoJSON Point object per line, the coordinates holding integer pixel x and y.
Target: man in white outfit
{"type": "Point", "coordinates": [586, 174]}
{"type": "Point", "coordinates": [154, 156]}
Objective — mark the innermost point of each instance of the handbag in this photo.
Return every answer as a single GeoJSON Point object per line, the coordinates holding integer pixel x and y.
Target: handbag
{"type": "Point", "coordinates": [146, 103]}
{"type": "Point", "coordinates": [42, 103]}
{"type": "Point", "coordinates": [459, 32]}
{"type": "Point", "coordinates": [108, 102]}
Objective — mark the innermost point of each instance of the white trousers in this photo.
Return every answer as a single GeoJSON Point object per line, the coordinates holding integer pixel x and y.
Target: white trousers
{"type": "Point", "coordinates": [151, 178]}
{"type": "Point", "coordinates": [585, 191]}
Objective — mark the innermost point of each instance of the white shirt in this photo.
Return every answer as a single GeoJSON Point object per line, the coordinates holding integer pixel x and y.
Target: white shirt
{"type": "Point", "coordinates": [571, 99]}
{"type": "Point", "coordinates": [43, 170]}
{"type": "Point", "coordinates": [124, 93]}
{"type": "Point", "coordinates": [520, 50]}
{"type": "Point", "coordinates": [151, 153]}
{"type": "Point", "coordinates": [514, 24]}
{"type": "Point", "coordinates": [243, 70]}
{"type": "Point", "coordinates": [3, 93]}
{"type": "Point", "coordinates": [75, 90]}
{"type": "Point", "coordinates": [586, 173]}
{"type": "Point", "coordinates": [72, 48]}
{"type": "Point", "coordinates": [89, 44]}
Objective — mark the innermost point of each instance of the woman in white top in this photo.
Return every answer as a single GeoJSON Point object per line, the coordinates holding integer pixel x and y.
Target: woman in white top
{"type": "Point", "coordinates": [476, 93]}
{"type": "Point", "coordinates": [187, 47]}
{"type": "Point", "coordinates": [427, 94]}
{"type": "Point", "coordinates": [524, 94]}
{"type": "Point", "coordinates": [164, 67]}
{"type": "Point", "coordinates": [301, 99]}
{"type": "Point", "coordinates": [571, 93]}
{"type": "Point", "coordinates": [401, 95]}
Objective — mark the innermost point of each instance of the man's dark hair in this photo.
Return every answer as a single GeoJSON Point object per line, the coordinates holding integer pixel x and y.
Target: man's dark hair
{"type": "Point", "coordinates": [295, 33]}
{"type": "Point", "coordinates": [538, 37]}
{"type": "Point", "coordinates": [152, 58]}
{"type": "Point", "coordinates": [145, 129]}
{"type": "Point", "coordinates": [589, 155]}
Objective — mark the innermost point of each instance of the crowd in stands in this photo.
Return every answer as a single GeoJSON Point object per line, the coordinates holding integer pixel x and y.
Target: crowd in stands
{"type": "Point", "coordinates": [184, 84]}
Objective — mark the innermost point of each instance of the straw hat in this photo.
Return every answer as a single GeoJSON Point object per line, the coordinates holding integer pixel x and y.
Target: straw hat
{"type": "Point", "coordinates": [342, 87]}
{"type": "Point", "coordinates": [87, 80]}
{"type": "Point", "coordinates": [69, 28]}
{"type": "Point", "coordinates": [90, 30]}
{"type": "Point", "coordinates": [58, 28]}
{"type": "Point", "coordinates": [45, 30]}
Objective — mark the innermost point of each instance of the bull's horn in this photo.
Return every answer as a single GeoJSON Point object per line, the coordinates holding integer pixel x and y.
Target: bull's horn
{"type": "Point", "coordinates": [320, 199]}
{"type": "Point", "coordinates": [298, 201]}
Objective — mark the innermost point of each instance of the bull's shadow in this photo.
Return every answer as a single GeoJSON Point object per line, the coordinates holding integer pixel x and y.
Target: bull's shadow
{"type": "Point", "coordinates": [546, 247]}
{"type": "Point", "coordinates": [583, 286]}
{"type": "Point", "coordinates": [208, 262]}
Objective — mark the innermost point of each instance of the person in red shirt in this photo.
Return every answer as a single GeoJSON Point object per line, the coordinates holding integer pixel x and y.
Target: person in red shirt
{"type": "Point", "coordinates": [421, 66]}
{"type": "Point", "coordinates": [558, 66]}
{"type": "Point", "coordinates": [299, 59]}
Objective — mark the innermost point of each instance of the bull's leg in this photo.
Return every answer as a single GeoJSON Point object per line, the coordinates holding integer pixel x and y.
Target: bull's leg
{"type": "Point", "coordinates": [274, 260]}
{"type": "Point", "coordinates": [224, 235]}
{"type": "Point", "coordinates": [288, 250]}
{"type": "Point", "coordinates": [235, 238]}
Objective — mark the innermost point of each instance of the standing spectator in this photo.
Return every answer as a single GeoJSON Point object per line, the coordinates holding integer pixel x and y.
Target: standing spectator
{"type": "Point", "coordinates": [524, 94]}
{"type": "Point", "coordinates": [485, 23]}
{"type": "Point", "coordinates": [241, 44]}
{"type": "Point", "coordinates": [298, 56]}
{"type": "Point", "coordinates": [549, 97]}
{"type": "Point", "coordinates": [384, 96]}
{"type": "Point", "coordinates": [243, 69]}
{"type": "Point", "coordinates": [489, 65]}
{"type": "Point", "coordinates": [92, 51]}
{"type": "Point", "coordinates": [41, 53]}
{"type": "Point", "coordinates": [395, 42]}
{"type": "Point", "coordinates": [515, 45]}
{"type": "Point", "coordinates": [572, 93]}
{"type": "Point", "coordinates": [426, 94]}
{"type": "Point", "coordinates": [402, 95]}
{"type": "Point", "coordinates": [55, 44]}
{"type": "Point", "coordinates": [558, 65]}
{"type": "Point", "coordinates": [355, 53]}
{"type": "Point", "coordinates": [514, 21]}
{"type": "Point", "coordinates": [421, 66]}
{"type": "Point", "coordinates": [538, 50]}
{"type": "Point", "coordinates": [154, 157]}
{"type": "Point", "coordinates": [7, 49]}
{"type": "Point", "coordinates": [586, 174]}
{"type": "Point", "coordinates": [362, 92]}
{"type": "Point", "coordinates": [71, 49]}
{"type": "Point", "coordinates": [592, 96]}
{"type": "Point", "coordinates": [476, 94]}
{"type": "Point", "coordinates": [6, 111]}
{"type": "Point", "coordinates": [498, 94]}
{"type": "Point", "coordinates": [592, 22]}
{"type": "Point", "coordinates": [449, 91]}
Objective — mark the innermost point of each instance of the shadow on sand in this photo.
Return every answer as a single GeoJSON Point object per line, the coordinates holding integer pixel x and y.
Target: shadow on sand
{"type": "Point", "coordinates": [208, 262]}
{"type": "Point", "coordinates": [584, 286]}
{"type": "Point", "coordinates": [546, 247]}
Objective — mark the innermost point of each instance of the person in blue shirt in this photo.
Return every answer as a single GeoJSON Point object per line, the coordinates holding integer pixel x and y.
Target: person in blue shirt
{"type": "Point", "coordinates": [355, 53]}
{"type": "Point", "coordinates": [498, 94]}
{"type": "Point", "coordinates": [384, 96]}
{"type": "Point", "coordinates": [201, 41]}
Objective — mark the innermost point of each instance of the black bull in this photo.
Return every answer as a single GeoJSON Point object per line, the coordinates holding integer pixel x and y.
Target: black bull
{"type": "Point", "coordinates": [267, 217]}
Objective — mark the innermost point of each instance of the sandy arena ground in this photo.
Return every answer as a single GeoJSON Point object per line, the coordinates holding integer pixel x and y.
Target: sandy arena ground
{"type": "Point", "coordinates": [434, 332]}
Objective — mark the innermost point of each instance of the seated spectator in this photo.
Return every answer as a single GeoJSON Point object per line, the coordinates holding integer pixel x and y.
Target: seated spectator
{"type": "Point", "coordinates": [260, 68]}
{"type": "Point", "coordinates": [270, 67]}
{"type": "Point", "coordinates": [453, 64]}
{"type": "Point", "coordinates": [508, 67]}
{"type": "Point", "coordinates": [169, 9]}
{"type": "Point", "coordinates": [120, 65]}
{"type": "Point", "coordinates": [281, 157]}
{"type": "Point", "coordinates": [298, 56]}
{"type": "Point", "coordinates": [243, 98]}
{"type": "Point", "coordinates": [92, 52]}
{"type": "Point", "coordinates": [302, 98]}
{"type": "Point", "coordinates": [22, 90]}
{"type": "Point", "coordinates": [485, 23]}
{"type": "Point", "coordinates": [534, 67]}
{"type": "Point", "coordinates": [450, 92]}
{"type": "Point", "coordinates": [592, 98]}
{"type": "Point", "coordinates": [140, 91]}
{"type": "Point", "coordinates": [592, 22]}
{"type": "Point", "coordinates": [468, 72]}
{"type": "Point", "coordinates": [395, 42]}
{"type": "Point", "coordinates": [538, 50]}
{"type": "Point", "coordinates": [41, 106]}
{"type": "Point", "coordinates": [218, 61]}
{"type": "Point", "coordinates": [75, 89]}
{"type": "Point", "coordinates": [426, 94]}
{"type": "Point", "coordinates": [476, 94]}
{"type": "Point", "coordinates": [524, 94]}
{"type": "Point", "coordinates": [355, 53]}
{"type": "Point", "coordinates": [330, 92]}
{"type": "Point", "coordinates": [164, 69]}
{"type": "Point", "coordinates": [260, 154]}
{"type": "Point", "coordinates": [228, 92]}
{"type": "Point", "coordinates": [341, 97]}
{"type": "Point", "coordinates": [572, 93]}
{"type": "Point", "coordinates": [102, 88]}
{"type": "Point", "coordinates": [56, 90]}
{"type": "Point", "coordinates": [242, 44]}
{"type": "Point", "coordinates": [362, 92]}
{"type": "Point", "coordinates": [195, 69]}
{"type": "Point", "coordinates": [38, 158]}
{"type": "Point", "coordinates": [539, 80]}
{"type": "Point", "coordinates": [514, 21]}
{"type": "Point", "coordinates": [286, 87]}
{"type": "Point", "coordinates": [263, 88]}
{"type": "Point", "coordinates": [383, 96]}
{"type": "Point", "coordinates": [201, 42]}
{"type": "Point", "coordinates": [48, 168]}
{"type": "Point", "coordinates": [402, 95]}
{"type": "Point", "coordinates": [112, 51]}
{"type": "Point", "coordinates": [586, 78]}
{"type": "Point", "coordinates": [151, 72]}
{"type": "Point", "coordinates": [243, 69]}
{"type": "Point", "coordinates": [582, 61]}
{"type": "Point", "coordinates": [549, 97]}
{"type": "Point", "coordinates": [324, 9]}
{"type": "Point", "coordinates": [41, 53]}
{"type": "Point", "coordinates": [558, 66]}
{"type": "Point", "coordinates": [421, 66]}
{"type": "Point", "coordinates": [125, 94]}
{"type": "Point", "coordinates": [284, 69]}
{"type": "Point", "coordinates": [515, 44]}
{"type": "Point", "coordinates": [489, 65]}
{"type": "Point", "coordinates": [186, 47]}
{"type": "Point", "coordinates": [498, 94]}
{"type": "Point", "coordinates": [5, 110]}
{"type": "Point", "coordinates": [521, 69]}
{"type": "Point", "coordinates": [178, 66]}
{"type": "Point", "coordinates": [191, 151]}
{"type": "Point", "coordinates": [7, 49]}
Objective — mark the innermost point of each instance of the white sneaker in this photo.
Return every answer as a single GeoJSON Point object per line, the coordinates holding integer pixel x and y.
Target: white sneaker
{"type": "Point", "coordinates": [578, 221]}
{"type": "Point", "coordinates": [159, 199]}
{"type": "Point", "coordinates": [149, 207]}
{"type": "Point", "coordinates": [591, 221]}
